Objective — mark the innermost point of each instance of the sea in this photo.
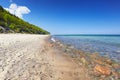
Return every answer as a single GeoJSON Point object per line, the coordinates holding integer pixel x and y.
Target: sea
{"type": "Point", "coordinates": [105, 45]}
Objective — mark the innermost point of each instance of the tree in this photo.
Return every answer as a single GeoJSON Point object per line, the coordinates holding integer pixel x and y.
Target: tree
{"type": "Point", "coordinates": [12, 26]}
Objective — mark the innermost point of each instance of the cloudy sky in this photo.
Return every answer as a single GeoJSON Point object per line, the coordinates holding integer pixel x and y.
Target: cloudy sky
{"type": "Point", "coordinates": [69, 16]}
{"type": "Point", "coordinates": [18, 10]}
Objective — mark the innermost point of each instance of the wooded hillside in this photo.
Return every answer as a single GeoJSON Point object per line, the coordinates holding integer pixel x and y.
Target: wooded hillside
{"type": "Point", "coordinates": [11, 24]}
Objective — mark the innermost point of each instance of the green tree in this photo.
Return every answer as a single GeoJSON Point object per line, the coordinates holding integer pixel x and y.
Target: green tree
{"type": "Point", "coordinates": [12, 26]}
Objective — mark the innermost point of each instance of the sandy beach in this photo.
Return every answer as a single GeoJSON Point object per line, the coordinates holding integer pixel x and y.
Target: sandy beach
{"type": "Point", "coordinates": [33, 57]}
{"type": "Point", "coordinates": [26, 57]}
{"type": "Point", "coordinates": [18, 54]}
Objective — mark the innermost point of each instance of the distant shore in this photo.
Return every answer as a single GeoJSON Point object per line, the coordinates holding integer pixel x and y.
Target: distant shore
{"type": "Point", "coordinates": [26, 56]}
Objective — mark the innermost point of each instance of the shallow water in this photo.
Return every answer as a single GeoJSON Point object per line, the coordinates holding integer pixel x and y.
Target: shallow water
{"type": "Point", "coordinates": [105, 45]}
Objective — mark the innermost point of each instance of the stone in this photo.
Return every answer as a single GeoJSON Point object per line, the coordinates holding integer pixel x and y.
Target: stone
{"type": "Point", "coordinates": [102, 70]}
{"type": "Point", "coordinates": [116, 66]}
{"type": "Point", "coordinates": [117, 75]}
{"type": "Point", "coordinates": [109, 61]}
{"type": "Point", "coordinates": [50, 45]}
{"type": "Point", "coordinates": [95, 55]}
{"type": "Point", "coordinates": [61, 45]}
{"type": "Point", "coordinates": [83, 60]}
{"type": "Point", "coordinates": [97, 74]}
{"type": "Point", "coordinates": [102, 76]}
{"type": "Point", "coordinates": [99, 62]}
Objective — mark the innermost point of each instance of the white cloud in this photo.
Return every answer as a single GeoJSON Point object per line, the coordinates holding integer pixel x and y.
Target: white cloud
{"type": "Point", "coordinates": [18, 10]}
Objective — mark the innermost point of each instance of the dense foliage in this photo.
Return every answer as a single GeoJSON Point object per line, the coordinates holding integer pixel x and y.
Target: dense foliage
{"type": "Point", "coordinates": [13, 24]}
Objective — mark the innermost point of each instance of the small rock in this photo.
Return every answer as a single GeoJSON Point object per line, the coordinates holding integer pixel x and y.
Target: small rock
{"type": "Point", "coordinates": [95, 55]}
{"type": "Point", "coordinates": [116, 66]}
{"type": "Point", "coordinates": [102, 76]}
{"type": "Point", "coordinates": [99, 62]}
{"type": "Point", "coordinates": [102, 70]}
{"type": "Point", "coordinates": [116, 74]}
{"type": "Point", "coordinates": [61, 45]}
{"type": "Point", "coordinates": [97, 74]}
{"type": "Point", "coordinates": [51, 45]}
{"type": "Point", "coordinates": [83, 60]}
{"type": "Point", "coordinates": [109, 61]}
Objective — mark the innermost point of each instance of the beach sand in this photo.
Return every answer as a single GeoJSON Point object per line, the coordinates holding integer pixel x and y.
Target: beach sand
{"type": "Point", "coordinates": [26, 57]}
{"type": "Point", "coordinates": [33, 57]}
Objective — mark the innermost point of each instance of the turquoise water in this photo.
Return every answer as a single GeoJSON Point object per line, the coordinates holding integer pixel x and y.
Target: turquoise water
{"type": "Point", "coordinates": [105, 45]}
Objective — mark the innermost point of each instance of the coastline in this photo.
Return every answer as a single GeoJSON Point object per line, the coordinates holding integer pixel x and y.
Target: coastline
{"type": "Point", "coordinates": [107, 46]}
{"type": "Point", "coordinates": [98, 66]}
{"type": "Point", "coordinates": [26, 57]}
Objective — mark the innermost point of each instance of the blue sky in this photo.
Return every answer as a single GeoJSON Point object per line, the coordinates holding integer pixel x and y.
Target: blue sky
{"type": "Point", "coordinates": [72, 16]}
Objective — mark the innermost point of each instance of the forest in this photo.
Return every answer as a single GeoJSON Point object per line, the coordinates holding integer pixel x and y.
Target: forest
{"type": "Point", "coordinates": [12, 24]}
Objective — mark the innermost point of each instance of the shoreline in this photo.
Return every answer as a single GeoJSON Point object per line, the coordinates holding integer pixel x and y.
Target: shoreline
{"type": "Point", "coordinates": [106, 47]}
{"type": "Point", "coordinates": [97, 65]}
{"type": "Point", "coordinates": [86, 52]}
{"type": "Point", "coordinates": [26, 57]}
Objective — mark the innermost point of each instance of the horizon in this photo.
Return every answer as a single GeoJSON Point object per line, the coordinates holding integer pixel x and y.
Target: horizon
{"type": "Point", "coordinates": [69, 16]}
{"type": "Point", "coordinates": [86, 34]}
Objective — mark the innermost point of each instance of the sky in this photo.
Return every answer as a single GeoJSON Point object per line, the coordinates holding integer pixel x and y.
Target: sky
{"type": "Point", "coordinates": [69, 16]}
